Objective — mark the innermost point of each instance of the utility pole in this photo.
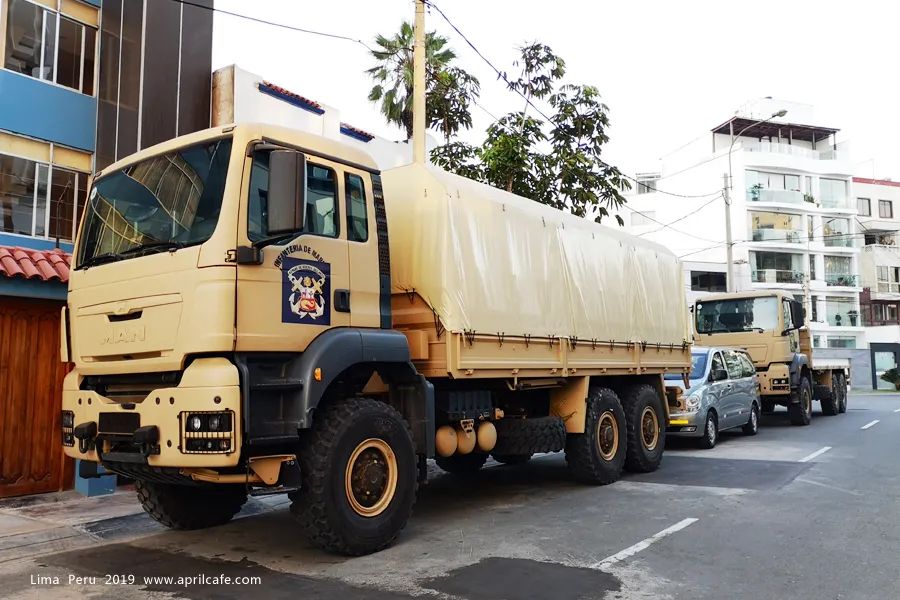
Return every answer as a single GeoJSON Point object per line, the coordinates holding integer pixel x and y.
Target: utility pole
{"type": "Point", "coordinates": [729, 275]}
{"type": "Point", "coordinates": [419, 85]}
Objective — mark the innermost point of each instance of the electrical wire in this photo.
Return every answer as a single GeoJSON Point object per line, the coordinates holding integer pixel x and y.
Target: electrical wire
{"type": "Point", "coordinates": [502, 76]}
{"type": "Point", "coordinates": [682, 218]}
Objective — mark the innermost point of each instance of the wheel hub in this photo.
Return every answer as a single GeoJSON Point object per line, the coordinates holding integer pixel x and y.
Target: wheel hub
{"type": "Point", "coordinates": [608, 435]}
{"type": "Point", "coordinates": [649, 428]}
{"type": "Point", "coordinates": [370, 479]}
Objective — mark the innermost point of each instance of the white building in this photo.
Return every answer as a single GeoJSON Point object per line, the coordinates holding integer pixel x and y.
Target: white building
{"type": "Point", "coordinates": [793, 215]}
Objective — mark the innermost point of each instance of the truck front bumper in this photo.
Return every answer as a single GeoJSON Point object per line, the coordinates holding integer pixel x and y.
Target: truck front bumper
{"type": "Point", "coordinates": [685, 424]}
{"type": "Point", "coordinates": [158, 431]}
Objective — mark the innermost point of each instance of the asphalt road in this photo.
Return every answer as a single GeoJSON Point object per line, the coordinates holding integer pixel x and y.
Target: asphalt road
{"type": "Point", "coordinates": [771, 516]}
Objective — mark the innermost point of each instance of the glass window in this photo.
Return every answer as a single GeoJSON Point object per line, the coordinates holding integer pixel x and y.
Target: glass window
{"type": "Point", "coordinates": [17, 191]}
{"type": "Point", "coordinates": [717, 363]}
{"type": "Point", "coordinates": [743, 314]}
{"type": "Point", "coordinates": [643, 218]}
{"type": "Point", "coordinates": [833, 192]}
{"type": "Point", "coordinates": [162, 203]}
{"type": "Point", "coordinates": [839, 341]}
{"type": "Point", "coordinates": [357, 221]}
{"type": "Point", "coordinates": [733, 364]}
{"type": "Point", "coordinates": [815, 309]}
{"type": "Point", "coordinates": [810, 227]}
{"type": "Point", "coordinates": [40, 207]}
{"type": "Point", "coordinates": [864, 206]}
{"type": "Point", "coordinates": [31, 46]}
{"type": "Point", "coordinates": [63, 189]}
{"type": "Point", "coordinates": [776, 267]}
{"type": "Point", "coordinates": [749, 369]}
{"type": "Point", "coordinates": [836, 232]}
{"type": "Point", "coordinates": [841, 311]}
{"type": "Point", "coordinates": [707, 281]}
{"type": "Point", "coordinates": [786, 314]}
{"type": "Point", "coordinates": [885, 209]}
{"type": "Point", "coordinates": [698, 367]}
{"type": "Point", "coordinates": [812, 267]}
{"type": "Point", "coordinates": [321, 196]}
{"type": "Point", "coordinates": [773, 226]}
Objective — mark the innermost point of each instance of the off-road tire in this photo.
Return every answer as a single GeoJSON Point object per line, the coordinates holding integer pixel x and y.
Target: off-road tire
{"type": "Point", "coordinates": [751, 427]}
{"type": "Point", "coordinates": [800, 412]}
{"type": "Point", "coordinates": [584, 454]}
{"type": "Point", "coordinates": [322, 505]}
{"type": "Point", "coordinates": [842, 393]}
{"type": "Point", "coordinates": [512, 459]}
{"type": "Point", "coordinates": [768, 406]}
{"type": "Point", "coordinates": [641, 457]}
{"type": "Point", "coordinates": [529, 436]}
{"type": "Point", "coordinates": [710, 431]}
{"type": "Point", "coordinates": [828, 397]}
{"type": "Point", "coordinates": [462, 464]}
{"type": "Point", "coordinates": [189, 506]}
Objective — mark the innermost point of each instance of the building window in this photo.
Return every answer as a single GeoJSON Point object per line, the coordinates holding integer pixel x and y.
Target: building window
{"type": "Point", "coordinates": [885, 209]}
{"type": "Point", "coordinates": [817, 341]}
{"type": "Point", "coordinates": [45, 45]}
{"type": "Point", "coordinates": [707, 281]}
{"type": "Point", "coordinates": [888, 279]}
{"type": "Point", "coordinates": [643, 218]}
{"type": "Point", "coordinates": [646, 183]}
{"type": "Point", "coordinates": [810, 227]}
{"type": "Point", "coordinates": [841, 311]}
{"type": "Point", "coordinates": [836, 232]}
{"type": "Point", "coordinates": [840, 341]}
{"type": "Point", "coordinates": [764, 186]}
{"type": "Point", "coordinates": [38, 200]}
{"type": "Point", "coordinates": [815, 309]}
{"type": "Point", "coordinates": [776, 267]}
{"type": "Point", "coordinates": [864, 206]}
{"type": "Point", "coordinates": [775, 227]}
{"type": "Point", "coordinates": [838, 271]}
{"type": "Point", "coordinates": [833, 193]}
{"type": "Point", "coordinates": [812, 267]}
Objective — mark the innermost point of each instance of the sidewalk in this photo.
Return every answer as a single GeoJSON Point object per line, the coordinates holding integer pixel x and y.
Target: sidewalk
{"type": "Point", "coordinates": [49, 523]}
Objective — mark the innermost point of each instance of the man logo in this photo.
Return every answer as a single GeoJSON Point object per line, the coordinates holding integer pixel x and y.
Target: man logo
{"type": "Point", "coordinates": [124, 333]}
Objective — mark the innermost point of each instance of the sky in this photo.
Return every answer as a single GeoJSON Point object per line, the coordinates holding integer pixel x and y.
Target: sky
{"type": "Point", "coordinates": [669, 71]}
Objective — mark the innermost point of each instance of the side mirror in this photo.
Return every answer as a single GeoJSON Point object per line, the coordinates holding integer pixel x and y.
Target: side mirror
{"type": "Point", "coordinates": [718, 375]}
{"type": "Point", "coordinates": [797, 314]}
{"type": "Point", "coordinates": [287, 192]}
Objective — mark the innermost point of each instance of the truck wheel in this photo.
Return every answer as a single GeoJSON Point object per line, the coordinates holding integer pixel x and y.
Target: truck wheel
{"type": "Point", "coordinates": [644, 416]}
{"type": "Point", "coordinates": [752, 425]}
{"type": "Point", "coordinates": [190, 507]}
{"type": "Point", "coordinates": [710, 432]}
{"type": "Point", "coordinates": [597, 456]}
{"type": "Point", "coordinates": [527, 436]}
{"type": "Point", "coordinates": [800, 412]}
{"type": "Point", "coordinates": [842, 391]}
{"type": "Point", "coordinates": [358, 466]}
{"type": "Point", "coordinates": [512, 459]}
{"type": "Point", "coordinates": [768, 406]}
{"type": "Point", "coordinates": [461, 464]}
{"type": "Point", "coordinates": [828, 398]}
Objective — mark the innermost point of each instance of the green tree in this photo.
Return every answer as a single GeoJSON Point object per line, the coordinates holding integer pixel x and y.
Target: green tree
{"type": "Point", "coordinates": [450, 90]}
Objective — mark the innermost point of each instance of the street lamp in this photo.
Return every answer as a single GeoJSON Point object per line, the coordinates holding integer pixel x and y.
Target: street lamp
{"type": "Point", "coordinates": [729, 278]}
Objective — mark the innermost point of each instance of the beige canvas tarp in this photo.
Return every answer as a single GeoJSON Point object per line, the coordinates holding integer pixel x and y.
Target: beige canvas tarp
{"type": "Point", "coordinates": [493, 262]}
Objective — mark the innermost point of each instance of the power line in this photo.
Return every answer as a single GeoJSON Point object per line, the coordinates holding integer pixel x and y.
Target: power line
{"type": "Point", "coordinates": [693, 212]}
{"type": "Point", "coordinates": [666, 226]}
{"type": "Point", "coordinates": [502, 76]}
{"type": "Point", "coordinates": [326, 34]}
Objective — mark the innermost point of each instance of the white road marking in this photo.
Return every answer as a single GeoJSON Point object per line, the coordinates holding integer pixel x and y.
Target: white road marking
{"type": "Point", "coordinates": [872, 424]}
{"type": "Point", "coordinates": [897, 410]}
{"type": "Point", "coordinates": [818, 452]}
{"type": "Point", "coordinates": [830, 487]}
{"type": "Point", "coordinates": [643, 544]}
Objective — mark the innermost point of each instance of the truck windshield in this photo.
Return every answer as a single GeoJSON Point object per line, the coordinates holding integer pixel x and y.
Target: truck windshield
{"type": "Point", "coordinates": [163, 203]}
{"type": "Point", "coordinates": [698, 367]}
{"type": "Point", "coordinates": [739, 314]}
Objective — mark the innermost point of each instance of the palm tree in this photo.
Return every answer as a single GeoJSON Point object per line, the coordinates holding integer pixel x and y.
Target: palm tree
{"type": "Point", "coordinates": [393, 75]}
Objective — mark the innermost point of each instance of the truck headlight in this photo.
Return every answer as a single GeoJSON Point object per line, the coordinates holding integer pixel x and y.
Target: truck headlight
{"type": "Point", "coordinates": [207, 432]}
{"type": "Point", "coordinates": [692, 403]}
{"type": "Point", "coordinates": [195, 423]}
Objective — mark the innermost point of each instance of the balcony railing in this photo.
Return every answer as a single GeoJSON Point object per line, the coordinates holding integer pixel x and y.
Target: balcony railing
{"type": "Point", "coordinates": [776, 276]}
{"type": "Point", "coordinates": [837, 240]}
{"type": "Point", "coordinates": [845, 319]}
{"type": "Point", "coordinates": [789, 236]}
{"type": "Point", "coordinates": [841, 279]}
{"type": "Point", "coordinates": [783, 196]}
{"type": "Point", "coordinates": [837, 203]}
{"type": "Point", "coordinates": [790, 149]}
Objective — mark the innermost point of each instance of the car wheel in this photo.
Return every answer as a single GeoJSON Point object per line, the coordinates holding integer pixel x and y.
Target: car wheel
{"type": "Point", "coordinates": [752, 425]}
{"type": "Point", "coordinates": [710, 432]}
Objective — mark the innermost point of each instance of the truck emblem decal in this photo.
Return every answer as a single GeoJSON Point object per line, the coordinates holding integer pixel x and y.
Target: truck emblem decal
{"type": "Point", "coordinates": [306, 288]}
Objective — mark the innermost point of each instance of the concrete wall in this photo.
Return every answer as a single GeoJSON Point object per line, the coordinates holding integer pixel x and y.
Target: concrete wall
{"type": "Point", "coordinates": [860, 364]}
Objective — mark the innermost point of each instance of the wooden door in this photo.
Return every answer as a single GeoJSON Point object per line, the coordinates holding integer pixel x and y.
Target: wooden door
{"type": "Point", "coordinates": [31, 376]}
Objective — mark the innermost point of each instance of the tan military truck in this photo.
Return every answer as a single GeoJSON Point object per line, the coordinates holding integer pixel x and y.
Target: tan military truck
{"type": "Point", "coordinates": [769, 324]}
{"type": "Point", "coordinates": [258, 310]}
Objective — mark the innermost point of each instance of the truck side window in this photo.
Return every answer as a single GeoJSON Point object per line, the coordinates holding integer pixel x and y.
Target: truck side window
{"type": "Point", "coordinates": [735, 369]}
{"type": "Point", "coordinates": [321, 199]}
{"type": "Point", "coordinates": [357, 220]}
{"type": "Point", "coordinates": [786, 309]}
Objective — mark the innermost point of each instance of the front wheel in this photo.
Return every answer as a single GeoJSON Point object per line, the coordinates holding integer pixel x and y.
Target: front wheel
{"type": "Point", "coordinates": [800, 412]}
{"type": "Point", "coordinates": [598, 455]}
{"type": "Point", "coordinates": [644, 415]}
{"type": "Point", "coordinates": [710, 432]}
{"type": "Point", "coordinates": [751, 427]}
{"type": "Point", "coordinates": [842, 391]}
{"type": "Point", "coordinates": [359, 477]}
{"type": "Point", "coordinates": [190, 507]}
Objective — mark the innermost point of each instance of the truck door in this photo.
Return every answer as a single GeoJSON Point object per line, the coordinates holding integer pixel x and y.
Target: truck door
{"type": "Point", "coordinates": [301, 289]}
{"type": "Point", "coordinates": [362, 237]}
{"type": "Point", "coordinates": [733, 395]}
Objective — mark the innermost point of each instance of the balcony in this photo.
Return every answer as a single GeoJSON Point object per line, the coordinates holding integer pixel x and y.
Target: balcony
{"type": "Point", "coordinates": [838, 241]}
{"type": "Point", "coordinates": [787, 236]}
{"type": "Point", "coordinates": [841, 203]}
{"type": "Point", "coordinates": [782, 196]}
{"type": "Point", "coordinates": [841, 280]}
{"type": "Point", "coordinates": [776, 276]}
{"type": "Point", "coordinates": [790, 150]}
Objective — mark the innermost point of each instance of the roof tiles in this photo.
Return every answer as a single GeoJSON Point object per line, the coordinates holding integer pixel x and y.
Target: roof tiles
{"type": "Point", "coordinates": [43, 265]}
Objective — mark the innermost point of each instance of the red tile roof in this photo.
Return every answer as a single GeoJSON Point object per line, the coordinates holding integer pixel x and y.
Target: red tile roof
{"type": "Point", "coordinates": [44, 265]}
{"type": "Point", "coordinates": [876, 181]}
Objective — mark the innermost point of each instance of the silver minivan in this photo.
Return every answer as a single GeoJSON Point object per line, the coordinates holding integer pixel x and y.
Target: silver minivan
{"type": "Point", "coordinates": [723, 393]}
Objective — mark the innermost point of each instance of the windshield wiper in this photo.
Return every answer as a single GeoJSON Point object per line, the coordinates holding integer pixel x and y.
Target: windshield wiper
{"type": "Point", "coordinates": [100, 259]}
{"type": "Point", "coordinates": [154, 247]}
